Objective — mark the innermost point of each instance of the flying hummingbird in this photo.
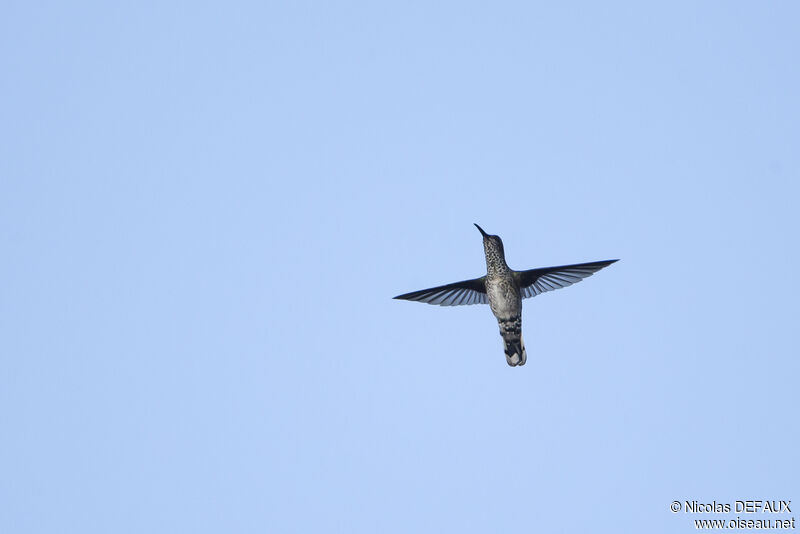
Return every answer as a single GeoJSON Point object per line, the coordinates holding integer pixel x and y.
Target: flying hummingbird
{"type": "Point", "coordinates": [503, 289]}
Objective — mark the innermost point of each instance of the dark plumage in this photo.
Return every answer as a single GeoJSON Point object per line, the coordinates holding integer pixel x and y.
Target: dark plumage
{"type": "Point", "coordinates": [503, 289]}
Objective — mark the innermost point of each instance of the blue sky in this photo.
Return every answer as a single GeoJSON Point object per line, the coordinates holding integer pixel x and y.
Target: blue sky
{"type": "Point", "coordinates": [205, 209]}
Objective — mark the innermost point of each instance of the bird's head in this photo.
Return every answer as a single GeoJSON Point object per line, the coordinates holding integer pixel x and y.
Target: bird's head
{"type": "Point", "coordinates": [491, 243]}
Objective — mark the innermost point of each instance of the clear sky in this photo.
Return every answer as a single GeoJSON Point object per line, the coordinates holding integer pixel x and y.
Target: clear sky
{"type": "Point", "coordinates": [205, 209]}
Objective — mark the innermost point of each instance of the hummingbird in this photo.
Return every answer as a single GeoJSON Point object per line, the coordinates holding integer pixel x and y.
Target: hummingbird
{"type": "Point", "coordinates": [503, 289]}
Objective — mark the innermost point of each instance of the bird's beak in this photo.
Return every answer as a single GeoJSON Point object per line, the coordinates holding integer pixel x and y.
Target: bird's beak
{"type": "Point", "coordinates": [481, 229]}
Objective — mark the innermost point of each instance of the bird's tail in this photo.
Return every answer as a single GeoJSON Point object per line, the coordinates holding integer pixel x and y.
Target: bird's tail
{"type": "Point", "coordinates": [513, 343]}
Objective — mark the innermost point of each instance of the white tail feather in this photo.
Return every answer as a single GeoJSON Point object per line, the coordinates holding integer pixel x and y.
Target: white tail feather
{"type": "Point", "coordinates": [515, 352]}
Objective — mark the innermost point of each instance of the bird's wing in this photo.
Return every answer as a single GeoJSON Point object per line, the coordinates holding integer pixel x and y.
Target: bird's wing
{"type": "Point", "coordinates": [537, 281]}
{"type": "Point", "coordinates": [457, 294]}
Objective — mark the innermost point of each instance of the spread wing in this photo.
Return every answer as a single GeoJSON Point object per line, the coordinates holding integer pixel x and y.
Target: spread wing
{"type": "Point", "coordinates": [537, 281]}
{"type": "Point", "coordinates": [457, 294]}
